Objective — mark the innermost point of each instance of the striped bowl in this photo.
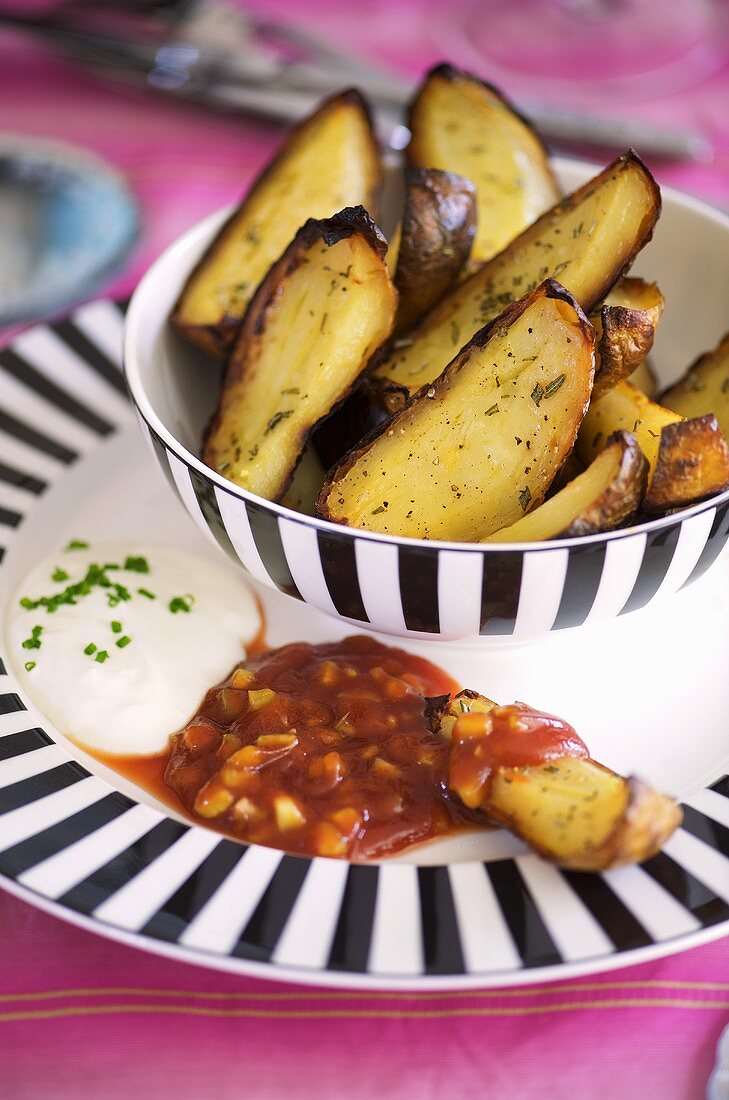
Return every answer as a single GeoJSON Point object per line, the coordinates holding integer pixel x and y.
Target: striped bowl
{"type": "Point", "coordinates": [430, 589]}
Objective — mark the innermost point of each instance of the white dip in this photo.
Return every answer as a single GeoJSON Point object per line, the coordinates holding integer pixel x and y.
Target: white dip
{"type": "Point", "coordinates": [149, 686]}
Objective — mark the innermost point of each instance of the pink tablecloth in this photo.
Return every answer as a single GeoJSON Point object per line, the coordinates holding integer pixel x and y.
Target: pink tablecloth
{"type": "Point", "coordinates": [82, 1017]}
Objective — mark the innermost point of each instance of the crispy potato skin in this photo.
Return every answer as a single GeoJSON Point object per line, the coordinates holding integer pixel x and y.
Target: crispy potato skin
{"type": "Point", "coordinates": [274, 393]}
{"type": "Point", "coordinates": [693, 464]}
{"type": "Point", "coordinates": [604, 497]}
{"type": "Point", "coordinates": [625, 328]}
{"type": "Point", "coordinates": [453, 487]}
{"type": "Point", "coordinates": [437, 230]}
{"type": "Point", "coordinates": [704, 388]}
{"type": "Point", "coordinates": [291, 188]}
{"type": "Point", "coordinates": [461, 124]}
{"type": "Point", "coordinates": [624, 203]}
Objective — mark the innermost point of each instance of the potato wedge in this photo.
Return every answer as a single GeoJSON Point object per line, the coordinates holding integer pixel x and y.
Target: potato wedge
{"type": "Point", "coordinates": [475, 450]}
{"type": "Point", "coordinates": [688, 459]}
{"type": "Point", "coordinates": [460, 124]}
{"type": "Point", "coordinates": [315, 321]}
{"type": "Point", "coordinates": [328, 162]}
{"type": "Point", "coordinates": [625, 328]}
{"type": "Point", "coordinates": [704, 388]}
{"type": "Point", "coordinates": [624, 408]}
{"type": "Point", "coordinates": [434, 242]}
{"type": "Point", "coordinates": [692, 464]}
{"type": "Point", "coordinates": [587, 241]}
{"type": "Point", "coordinates": [572, 811]}
{"type": "Point", "coordinates": [582, 816]}
{"type": "Point", "coordinates": [605, 496]}
{"type": "Point", "coordinates": [644, 377]}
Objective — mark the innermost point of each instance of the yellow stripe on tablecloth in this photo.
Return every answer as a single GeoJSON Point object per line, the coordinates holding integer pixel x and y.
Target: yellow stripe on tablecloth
{"type": "Point", "coordinates": [377, 995]}
{"type": "Point", "coordinates": [356, 1014]}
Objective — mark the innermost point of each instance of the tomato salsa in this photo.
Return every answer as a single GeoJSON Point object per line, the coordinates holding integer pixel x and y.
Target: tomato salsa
{"type": "Point", "coordinates": [323, 749]}
{"type": "Point", "coordinates": [352, 749]}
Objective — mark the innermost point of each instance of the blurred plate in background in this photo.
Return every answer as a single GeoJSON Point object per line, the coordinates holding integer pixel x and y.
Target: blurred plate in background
{"type": "Point", "coordinates": [67, 222]}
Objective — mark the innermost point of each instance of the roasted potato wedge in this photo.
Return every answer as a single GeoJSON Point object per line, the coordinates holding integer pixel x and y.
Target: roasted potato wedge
{"type": "Point", "coordinates": [644, 377]}
{"type": "Point", "coordinates": [460, 124]}
{"type": "Point", "coordinates": [624, 408]}
{"type": "Point", "coordinates": [475, 450]}
{"type": "Point", "coordinates": [434, 241]}
{"type": "Point", "coordinates": [605, 496]}
{"type": "Point", "coordinates": [328, 162]}
{"type": "Point", "coordinates": [692, 464]}
{"type": "Point", "coordinates": [572, 811]}
{"type": "Point", "coordinates": [321, 312]}
{"type": "Point", "coordinates": [704, 388]}
{"type": "Point", "coordinates": [625, 327]}
{"type": "Point", "coordinates": [582, 816]}
{"type": "Point", "coordinates": [689, 459]}
{"type": "Point", "coordinates": [586, 242]}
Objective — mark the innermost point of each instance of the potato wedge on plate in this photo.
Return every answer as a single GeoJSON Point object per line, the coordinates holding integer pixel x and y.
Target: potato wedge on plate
{"type": "Point", "coordinates": [479, 447]}
{"type": "Point", "coordinates": [460, 124]}
{"type": "Point", "coordinates": [625, 328]}
{"type": "Point", "coordinates": [315, 321]}
{"type": "Point", "coordinates": [607, 495]}
{"type": "Point", "coordinates": [572, 810]}
{"type": "Point", "coordinates": [689, 459]}
{"type": "Point", "coordinates": [586, 242]}
{"type": "Point", "coordinates": [582, 816]}
{"type": "Point", "coordinates": [704, 388]}
{"type": "Point", "coordinates": [433, 241]}
{"type": "Point", "coordinates": [328, 162]}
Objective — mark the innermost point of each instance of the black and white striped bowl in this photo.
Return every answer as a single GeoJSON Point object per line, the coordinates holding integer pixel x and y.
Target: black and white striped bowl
{"type": "Point", "coordinates": [73, 842]}
{"type": "Point", "coordinates": [418, 588]}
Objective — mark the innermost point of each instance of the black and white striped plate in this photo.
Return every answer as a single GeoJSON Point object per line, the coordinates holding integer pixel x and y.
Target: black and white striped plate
{"type": "Point", "coordinates": [85, 844]}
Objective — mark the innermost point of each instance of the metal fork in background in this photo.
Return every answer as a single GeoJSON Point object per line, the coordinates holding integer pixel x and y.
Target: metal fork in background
{"type": "Point", "coordinates": [209, 52]}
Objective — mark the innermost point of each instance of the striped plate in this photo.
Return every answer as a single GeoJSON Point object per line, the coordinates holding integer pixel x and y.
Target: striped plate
{"type": "Point", "coordinates": [83, 846]}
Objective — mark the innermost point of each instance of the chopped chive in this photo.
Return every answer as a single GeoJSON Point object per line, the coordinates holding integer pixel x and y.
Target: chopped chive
{"type": "Point", "coordinates": [77, 544]}
{"type": "Point", "coordinates": [59, 574]}
{"type": "Point", "coordinates": [524, 499]}
{"type": "Point", "coordinates": [124, 641]}
{"type": "Point", "coordinates": [145, 592]}
{"type": "Point", "coordinates": [29, 666]}
{"type": "Point", "coordinates": [181, 603]}
{"type": "Point", "coordinates": [27, 603]}
{"type": "Point", "coordinates": [136, 564]}
{"type": "Point", "coordinates": [101, 656]}
{"type": "Point", "coordinates": [116, 626]}
{"type": "Point", "coordinates": [494, 409]}
{"type": "Point", "coordinates": [90, 648]}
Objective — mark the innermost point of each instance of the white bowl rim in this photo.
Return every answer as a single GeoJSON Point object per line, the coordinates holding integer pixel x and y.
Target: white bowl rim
{"type": "Point", "coordinates": [135, 311]}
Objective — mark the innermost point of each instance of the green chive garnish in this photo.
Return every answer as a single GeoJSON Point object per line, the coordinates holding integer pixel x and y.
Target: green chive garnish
{"type": "Point", "coordinates": [116, 626]}
{"type": "Point", "coordinates": [90, 648]}
{"type": "Point", "coordinates": [59, 574]}
{"type": "Point", "coordinates": [101, 656]}
{"type": "Point", "coordinates": [124, 641]}
{"type": "Point", "coordinates": [29, 666]}
{"type": "Point", "coordinates": [77, 544]}
{"type": "Point", "coordinates": [136, 564]}
{"type": "Point", "coordinates": [147, 593]}
{"type": "Point", "coordinates": [181, 603]}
